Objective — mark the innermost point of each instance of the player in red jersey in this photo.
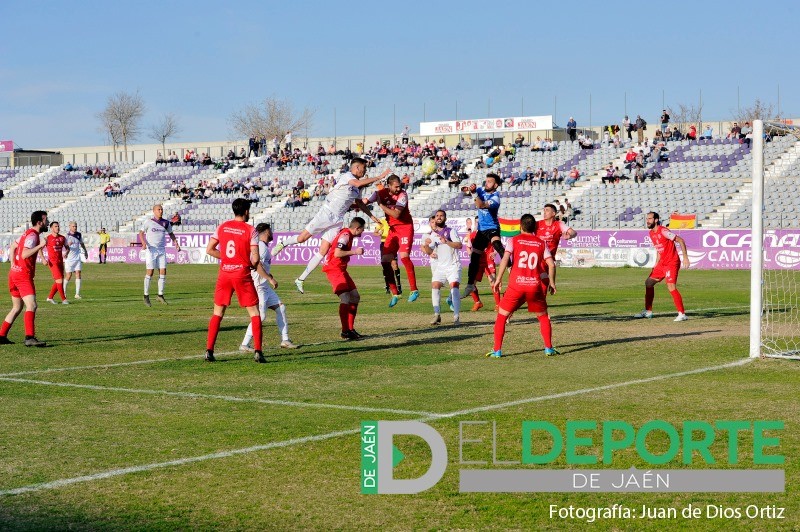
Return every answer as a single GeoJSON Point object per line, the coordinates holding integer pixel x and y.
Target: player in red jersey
{"type": "Point", "coordinates": [552, 231]}
{"type": "Point", "coordinates": [668, 264]}
{"type": "Point", "coordinates": [20, 280]}
{"type": "Point", "coordinates": [524, 252]}
{"type": "Point", "coordinates": [486, 265]}
{"type": "Point", "coordinates": [394, 202]}
{"type": "Point", "coordinates": [235, 244]}
{"type": "Point", "coordinates": [56, 243]}
{"type": "Point", "coordinates": [335, 267]}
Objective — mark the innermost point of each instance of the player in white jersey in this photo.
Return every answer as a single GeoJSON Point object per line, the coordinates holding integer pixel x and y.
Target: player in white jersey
{"type": "Point", "coordinates": [153, 238]}
{"type": "Point", "coordinates": [73, 262]}
{"type": "Point", "coordinates": [442, 244]}
{"type": "Point", "coordinates": [329, 219]}
{"type": "Point", "coordinates": [267, 298]}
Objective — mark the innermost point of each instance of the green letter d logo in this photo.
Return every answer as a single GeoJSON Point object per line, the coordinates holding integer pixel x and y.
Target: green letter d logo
{"type": "Point", "coordinates": [385, 481]}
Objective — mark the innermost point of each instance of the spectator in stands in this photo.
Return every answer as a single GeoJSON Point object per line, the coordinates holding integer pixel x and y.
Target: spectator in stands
{"type": "Point", "coordinates": [206, 159]}
{"type": "Point", "coordinates": [586, 143]}
{"type": "Point", "coordinates": [574, 175]}
{"type": "Point", "coordinates": [487, 145]}
{"type": "Point", "coordinates": [287, 140]}
{"type": "Point", "coordinates": [253, 197]}
{"type": "Point", "coordinates": [554, 177]}
{"type": "Point", "coordinates": [609, 175]}
{"type": "Point", "coordinates": [404, 135]}
{"type": "Point", "coordinates": [708, 133]}
{"type": "Point", "coordinates": [640, 126]}
{"type": "Point", "coordinates": [159, 158]}
{"type": "Point", "coordinates": [173, 157]}
{"type": "Point", "coordinates": [735, 131]}
{"type": "Point", "coordinates": [664, 121]}
{"type": "Point", "coordinates": [626, 125]}
{"type": "Point", "coordinates": [572, 129]}
{"type": "Point", "coordinates": [519, 141]}
{"type": "Point", "coordinates": [638, 175]}
{"type": "Point", "coordinates": [69, 168]}
{"type": "Point", "coordinates": [176, 219]}
{"type": "Point", "coordinates": [746, 133]}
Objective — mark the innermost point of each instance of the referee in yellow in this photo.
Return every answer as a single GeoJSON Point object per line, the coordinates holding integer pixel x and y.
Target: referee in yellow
{"type": "Point", "coordinates": [105, 238]}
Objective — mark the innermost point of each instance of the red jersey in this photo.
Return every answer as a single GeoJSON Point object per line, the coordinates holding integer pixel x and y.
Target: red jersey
{"type": "Point", "coordinates": [55, 248]}
{"type": "Point", "coordinates": [551, 234]}
{"type": "Point", "coordinates": [528, 253]}
{"type": "Point", "coordinates": [664, 241]}
{"type": "Point", "coordinates": [236, 239]}
{"type": "Point", "coordinates": [396, 201]}
{"type": "Point", "coordinates": [25, 267]}
{"type": "Point", "coordinates": [343, 241]}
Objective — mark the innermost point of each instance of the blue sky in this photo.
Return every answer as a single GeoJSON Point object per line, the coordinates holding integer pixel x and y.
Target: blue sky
{"type": "Point", "coordinates": [204, 60]}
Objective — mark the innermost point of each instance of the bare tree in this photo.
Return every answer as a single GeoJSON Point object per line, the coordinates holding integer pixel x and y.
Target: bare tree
{"type": "Point", "coordinates": [168, 127]}
{"type": "Point", "coordinates": [271, 118]}
{"type": "Point", "coordinates": [123, 114]}
{"type": "Point", "coordinates": [758, 111]}
{"type": "Point", "coordinates": [109, 127]}
{"type": "Point", "coordinates": [686, 115]}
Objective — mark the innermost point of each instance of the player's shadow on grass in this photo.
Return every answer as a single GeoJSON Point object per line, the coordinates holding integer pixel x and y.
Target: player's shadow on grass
{"type": "Point", "coordinates": [149, 334]}
{"type": "Point", "coordinates": [582, 303]}
{"type": "Point", "coordinates": [583, 346]}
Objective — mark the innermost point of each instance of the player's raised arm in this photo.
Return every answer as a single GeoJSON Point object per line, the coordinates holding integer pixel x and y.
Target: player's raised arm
{"type": "Point", "coordinates": [365, 181]}
{"type": "Point", "coordinates": [211, 249]}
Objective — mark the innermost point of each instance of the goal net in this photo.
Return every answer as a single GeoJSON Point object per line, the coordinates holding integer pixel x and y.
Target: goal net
{"type": "Point", "coordinates": [776, 261]}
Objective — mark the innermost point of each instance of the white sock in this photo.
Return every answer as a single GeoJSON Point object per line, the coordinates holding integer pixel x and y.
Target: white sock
{"type": "Point", "coordinates": [65, 282]}
{"type": "Point", "coordinates": [77, 287]}
{"type": "Point", "coordinates": [262, 312]}
{"type": "Point", "coordinates": [147, 285]}
{"type": "Point", "coordinates": [282, 322]}
{"type": "Point", "coordinates": [161, 280]}
{"type": "Point", "coordinates": [312, 265]}
{"type": "Point", "coordinates": [455, 296]}
{"type": "Point", "coordinates": [436, 299]}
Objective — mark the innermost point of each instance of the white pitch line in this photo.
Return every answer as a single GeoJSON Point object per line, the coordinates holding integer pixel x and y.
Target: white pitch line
{"type": "Point", "coordinates": [320, 437]}
{"type": "Point", "coordinates": [193, 395]}
{"type": "Point", "coordinates": [314, 344]}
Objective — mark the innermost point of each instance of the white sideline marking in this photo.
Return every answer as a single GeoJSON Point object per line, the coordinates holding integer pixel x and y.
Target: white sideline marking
{"type": "Point", "coordinates": [231, 398]}
{"type": "Point", "coordinates": [320, 437]}
{"type": "Point", "coordinates": [314, 344]}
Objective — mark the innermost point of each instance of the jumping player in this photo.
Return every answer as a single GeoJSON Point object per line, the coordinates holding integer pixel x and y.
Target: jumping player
{"type": "Point", "coordinates": [335, 267]}
{"type": "Point", "coordinates": [56, 243]}
{"type": "Point", "coordinates": [20, 280]}
{"type": "Point", "coordinates": [267, 298]}
{"type": "Point", "coordinates": [74, 261]}
{"type": "Point", "coordinates": [153, 238]}
{"type": "Point", "coordinates": [525, 252]}
{"type": "Point", "coordinates": [552, 231]}
{"type": "Point", "coordinates": [382, 230]}
{"type": "Point", "coordinates": [487, 200]}
{"type": "Point", "coordinates": [235, 244]}
{"type": "Point", "coordinates": [667, 266]}
{"type": "Point", "coordinates": [442, 246]}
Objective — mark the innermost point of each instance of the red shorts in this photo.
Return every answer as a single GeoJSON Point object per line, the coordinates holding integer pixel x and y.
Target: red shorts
{"type": "Point", "coordinates": [21, 286]}
{"type": "Point", "coordinates": [514, 298]}
{"type": "Point", "coordinates": [241, 284]}
{"type": "Point", "coordinates": [400, 239]}
{"type": "Point", "coordinates": [341, 281]}
{"type": "Point", "coordinates": [57, 270]}
{"type": "Point", "coordinates": [667, 272]}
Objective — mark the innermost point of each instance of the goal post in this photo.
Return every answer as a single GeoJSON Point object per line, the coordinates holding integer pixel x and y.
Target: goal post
{"type": "Point", "coordinates": [757, 239]}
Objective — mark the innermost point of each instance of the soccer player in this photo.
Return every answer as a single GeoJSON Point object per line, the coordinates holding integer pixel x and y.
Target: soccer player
{"type": "Point", "coordinates": [487, 200]}
{"type": "Point", "coordinates": [442, 246]}
{"type": "Point", "coordinates": [524, 252]}
{"type": "Point", "coordinates": [485, 266]}
{"type": "Point", "coordinates": [105, 238]}
{"type": "Point", "coordinates": [328, 220]}
{"type": "Point", "coordinates": [393, 200]}
{"type": "Point", "coordinates": [235, 244]}
{"type": "Point", "coordinates": [20, 280]}
{"type": "Point", "coordinates": [267, 298]}
{"type": "Point", "coordinates": [74, 261]}
{"type": "Point", "coordinates": [667, 266]}
{"type": "Point", "coordinates": [153, 238]}
{"type": "Point", "coordinates": [552, 231]}
{"type": "Point", "coordinates": [335, 267]}
{"type": "Point", "coordinates": [55, 244]}
{"type": "Point", "coordinates": [382, 230]}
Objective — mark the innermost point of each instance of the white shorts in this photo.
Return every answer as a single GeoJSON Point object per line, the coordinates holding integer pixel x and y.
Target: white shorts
{"type": "Point", "coordinates": [266, 297]}
{"type": "Point", "coordinates": [73, 265]}
{"type": "Point", "coordinates": [155, 260]}
{"type": "Point", "coordinates": [446, 275]}
{"type": "Point", "coordinates": [326, 224]}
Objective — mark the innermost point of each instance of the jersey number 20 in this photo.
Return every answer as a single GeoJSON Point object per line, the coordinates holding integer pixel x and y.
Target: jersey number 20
{"type": "Point", "coordinates": [528, 261]}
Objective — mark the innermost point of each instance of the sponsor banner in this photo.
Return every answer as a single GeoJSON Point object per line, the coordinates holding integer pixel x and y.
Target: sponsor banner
{"type": "Point", "coordinates": [6, 145]}
{"type": "Point", "coordinates": [486, 125]}
{"type": "Point", "coordinates": [717, 249]}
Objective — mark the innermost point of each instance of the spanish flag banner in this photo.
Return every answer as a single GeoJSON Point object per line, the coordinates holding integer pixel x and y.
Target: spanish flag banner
{"type": "Point", "coordinates": [509, 226]}
{"type": "Point", "coordinates": [682, 221]}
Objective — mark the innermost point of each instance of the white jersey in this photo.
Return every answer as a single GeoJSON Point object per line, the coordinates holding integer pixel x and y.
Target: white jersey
{"type": "Point", "coordinates": [342, 195]}
{"type": "Point", "coordinates": [155, 234]}
{"type": "Point", "coordinates": [432, 242]}
{"type": "Point", "coordinates": [266, 263]}
{"type": "Point", "coordinates": [74, 241]}
{"type": "Point", "coordinates": [447, 256]}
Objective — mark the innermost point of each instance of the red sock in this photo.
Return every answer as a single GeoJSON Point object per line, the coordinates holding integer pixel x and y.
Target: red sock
{"type": "Point", "coordinates": [676, 297]}
{"type": "Point", "coordinates": [351, 316]}
{"type": "Point", "coordinates": [412, 276]}
{"type": "Point", "coordinates": [213, 330]}
{"type": "Point", "coordinates": [255, 321]}
{"type": "Point", "coordinates": [4, 328]}
{"type": "Point", "coordinates": [30, 326]}
{"type": "Point", "coordinates": [499, 331]}
{"type": "Point", "coordinates": [53, 291]}
{"type": "Point", "coordinates": [475, 297]}
{"type": "Point", "coordinates": [61, 291]}
{"type": "Point", "coordinates": [344, 313]}
{"type": "Point", "coordinates": [547, 330]}
{"type": "Point", "coordinates": [649, 295]}
{"type": "Point", "coordinates": [496, 298]}
{"type": "Point", "coordinates": [388, 276]}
